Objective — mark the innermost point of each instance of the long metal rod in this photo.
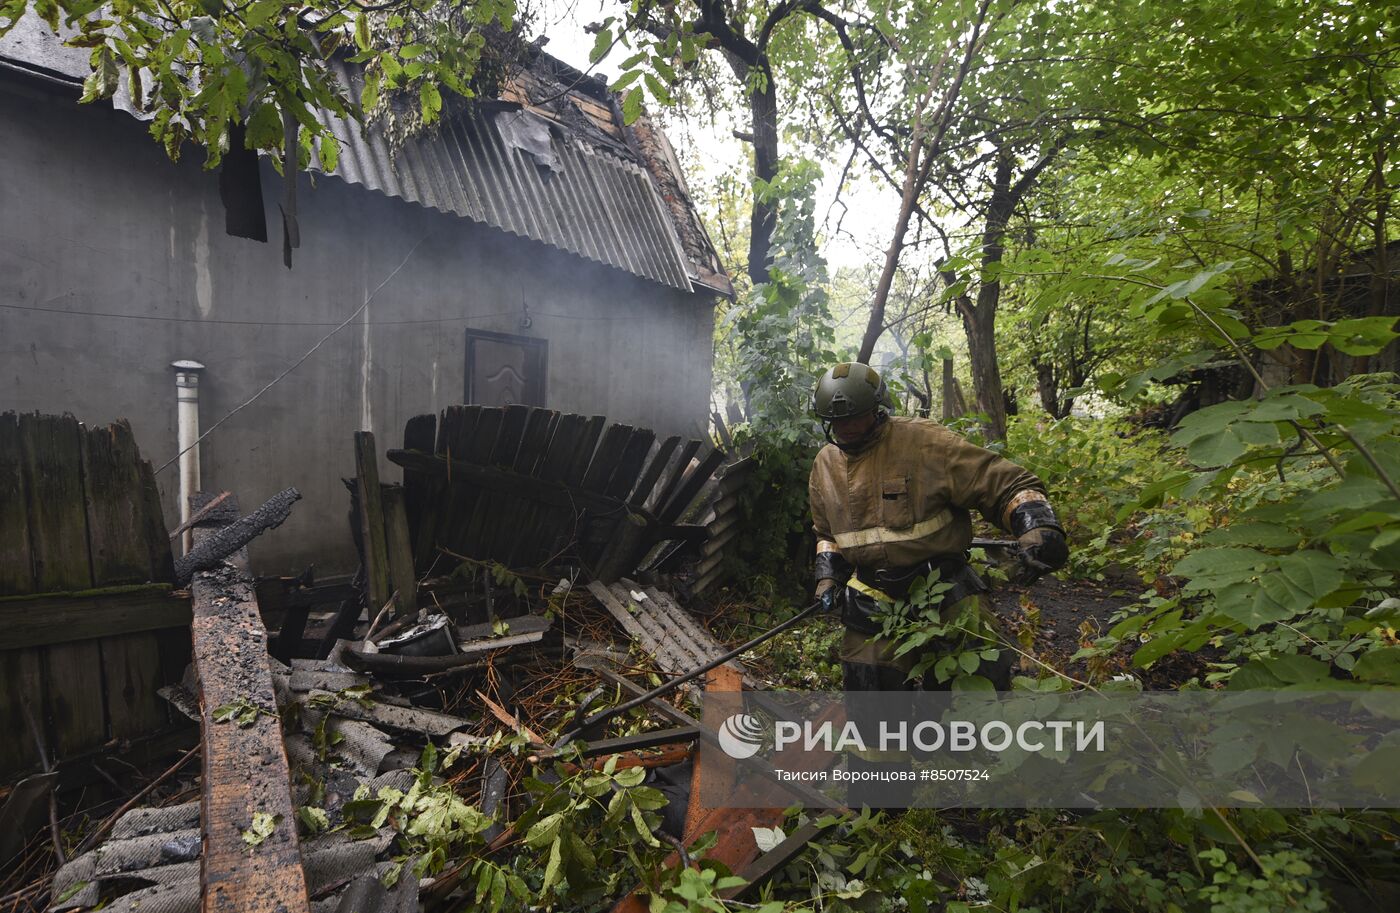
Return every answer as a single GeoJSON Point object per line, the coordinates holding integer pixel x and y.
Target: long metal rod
{"type": "Point", "coordinates": [603, 716]}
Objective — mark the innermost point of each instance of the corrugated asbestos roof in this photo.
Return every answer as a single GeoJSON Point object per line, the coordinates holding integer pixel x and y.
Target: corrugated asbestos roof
{"type": "Point", "coordinates": [596, 205]}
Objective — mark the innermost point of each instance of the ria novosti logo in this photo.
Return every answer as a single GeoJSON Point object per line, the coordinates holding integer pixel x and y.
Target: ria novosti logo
{"type": "Point", "coordinates": [741, 736]}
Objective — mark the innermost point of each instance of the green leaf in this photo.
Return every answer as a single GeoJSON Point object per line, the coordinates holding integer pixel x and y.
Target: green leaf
{"type": "Point", "coordinates": [1380, 666]}
{"type": "Point", "coordinates": [1376, 770]}
{"type": "Point", "coordinates": [1295, 669]}
{"type": "Point", "coordinates": [1312, 573]}
{"type": "Point", "coordinates": [313, 819]}
{"type": "Point", "coordinates": [258, 14]}
{"type": "Point", "coordinates": [362, 32]}
{"type": "Point", "coordinates": [1263, 535]}
{"type": "Point", "coordinates": [1283, 407]}
{"type": "Point", "coordinates": [602, 44]}
{"type": "Point", "coordinates": [625, 80]}
{"type": "Point", "coordinates": [632, 106]}
{"type": "Point", "coordinates": [664, 69]}
{"type": "Point", "coordinates": [658, 91]}
{"type": "Point", "coordinates": [1218, 448]}
{"type": "Point", "coordinates": [1363, 335]}
{"type": "Point", "coordinates": [369, 95]}
{"type": "Point", "coordinates": [265, 127]}
{"type": "Point", "coordinates": [328, 150]}
{"type": "Point", "coordinates": [643, 829]}
{"type": "Point", "coordinates": [552, 869]}
{"type": "Point", "coordinates": [261, 828]}
{"type": "Point", "coordinates": [973, 683]}
{"type": "Point", "coordinates": [1208, 568]}
{"type": "Point", "coordinates": [431, 100]}
{"type": "Point", "coordinates": [545, 830]}
{"type": "Point", "coordinates": [71, 891]}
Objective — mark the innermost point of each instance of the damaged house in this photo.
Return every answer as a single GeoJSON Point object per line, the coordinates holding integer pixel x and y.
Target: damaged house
{"type": "Point", "coordinates": [512, 316]}
{"type": "Point", "coordinates": [531, 251]}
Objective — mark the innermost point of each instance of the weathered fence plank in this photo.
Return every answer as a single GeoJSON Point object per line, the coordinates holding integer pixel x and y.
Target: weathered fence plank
{"type": "Point", "coordinates": [117, 533]}
{"type": "Point", "coordinates": [21, 685]}
{"type": "Point", "coordinates": [76, 709]}
{"type": "Point", "coordinates": [16, 559]}
{"type": "Point", "coordinates": [50, 451]}
{"type": "Point", "coordinates": [372, 520]}
{"type": "Point", "coordinates": [400, 550]}
{"type": "Point", "coordinates": [132, 673]}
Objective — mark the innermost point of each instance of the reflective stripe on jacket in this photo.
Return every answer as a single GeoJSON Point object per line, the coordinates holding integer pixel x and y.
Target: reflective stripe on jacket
{"type": "Point", "coordinates": [906, 496]}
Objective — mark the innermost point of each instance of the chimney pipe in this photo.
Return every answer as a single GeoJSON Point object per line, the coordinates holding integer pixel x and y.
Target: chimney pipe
{"type": "Point", "coordinates": [187, 421]}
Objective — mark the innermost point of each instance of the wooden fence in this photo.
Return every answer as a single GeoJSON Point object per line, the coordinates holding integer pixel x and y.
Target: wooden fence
{"type": "Point", "coordinates": [88, 626]}
{"type": "Point", "coordinates": [722, 526]}
{"type": "Point", "coordinates": [527, 487]}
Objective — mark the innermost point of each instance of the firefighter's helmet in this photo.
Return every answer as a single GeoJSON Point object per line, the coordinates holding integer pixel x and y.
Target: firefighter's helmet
{"type": "Point", "coordinates": [849, 389]}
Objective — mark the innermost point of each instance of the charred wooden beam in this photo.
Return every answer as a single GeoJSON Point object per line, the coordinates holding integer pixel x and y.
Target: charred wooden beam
{"type": "Point", "coordinates": [216, 544]}
{"type": "Point", "coordinates": [246, 783]}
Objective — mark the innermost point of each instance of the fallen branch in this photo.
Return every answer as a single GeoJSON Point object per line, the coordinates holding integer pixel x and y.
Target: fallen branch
{"type": "Point", "coordinates": [55, 834]}
{"type": "Point", "coordinates": [219, 544]}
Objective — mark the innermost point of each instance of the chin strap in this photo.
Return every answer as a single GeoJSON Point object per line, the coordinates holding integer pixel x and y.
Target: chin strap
{"type": "Point", "coordinates": [881, 416]}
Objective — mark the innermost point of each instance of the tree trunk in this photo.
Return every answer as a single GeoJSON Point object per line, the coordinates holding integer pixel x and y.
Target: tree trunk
{"type": "Point", "coordinates": [914, 179]}
{"type": "Point", "coordinates": [979, 317]}
{"type": "Point", "coordinates": [1048, 388]}
{"type": "Point", "coordinates": [980, 326]}
{"type": "Point", "coordinates": [763, 111]}
{"type": "Point", "coordinates": [954, 406]}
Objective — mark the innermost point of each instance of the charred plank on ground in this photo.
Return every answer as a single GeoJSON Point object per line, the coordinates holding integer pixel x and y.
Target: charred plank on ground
{"type": "Point", "coordinates": [252, 860]}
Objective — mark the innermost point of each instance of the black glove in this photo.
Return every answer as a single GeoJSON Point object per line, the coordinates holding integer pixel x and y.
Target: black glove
{"type": "Point", "coordinates": [1043, 547]}
{"type": "Point", "coordinates": [832, 573]}
{"type": "Point", "coordinates": [1042, 550]}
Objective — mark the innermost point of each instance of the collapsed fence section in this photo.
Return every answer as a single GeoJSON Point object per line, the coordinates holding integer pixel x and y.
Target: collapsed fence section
{"type": "Point", "coordinates": [530, 487]}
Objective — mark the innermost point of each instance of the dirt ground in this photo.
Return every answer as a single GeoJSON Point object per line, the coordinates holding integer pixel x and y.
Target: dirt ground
{"type": "Point", "coordinates": [1068, 610]}
{"type": "Point", "coordinates": [1066, 615]}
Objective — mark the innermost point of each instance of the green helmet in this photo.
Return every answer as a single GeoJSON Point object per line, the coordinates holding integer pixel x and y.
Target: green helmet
{"type": "Point", "coordinates": [848, 389]}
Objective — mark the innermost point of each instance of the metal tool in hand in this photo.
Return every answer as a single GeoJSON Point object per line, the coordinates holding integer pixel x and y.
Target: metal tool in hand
{"type": "Point", "coordinates": [603, 716]}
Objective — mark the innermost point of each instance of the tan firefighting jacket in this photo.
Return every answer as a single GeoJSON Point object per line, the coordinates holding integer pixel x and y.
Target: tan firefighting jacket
{"type": "Point", "coordinates": [906, 496]}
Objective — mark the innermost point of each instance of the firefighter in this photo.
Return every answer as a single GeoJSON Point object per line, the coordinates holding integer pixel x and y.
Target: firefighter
{"type": "Point", "coordinates": [891, 498]}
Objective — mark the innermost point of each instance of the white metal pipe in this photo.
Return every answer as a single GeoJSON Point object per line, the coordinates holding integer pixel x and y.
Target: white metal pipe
{"type": "Point", "coordinates": [187, 423]}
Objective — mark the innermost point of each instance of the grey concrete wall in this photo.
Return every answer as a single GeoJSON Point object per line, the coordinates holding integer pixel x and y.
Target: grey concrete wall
{"type": "Point", "coordinates": [114, 263]}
